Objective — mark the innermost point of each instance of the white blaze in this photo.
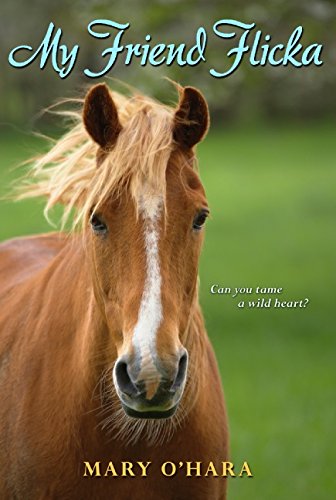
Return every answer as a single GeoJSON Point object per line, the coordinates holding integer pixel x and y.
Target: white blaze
{"type": "Point", "coordinates": [150, 311]}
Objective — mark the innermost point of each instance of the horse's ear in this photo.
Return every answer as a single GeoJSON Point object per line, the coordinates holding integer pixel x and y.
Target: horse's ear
{"type": "Point", "coordinates": [191, 118]}
{"type": "Point", "coordinates": [100, 116]}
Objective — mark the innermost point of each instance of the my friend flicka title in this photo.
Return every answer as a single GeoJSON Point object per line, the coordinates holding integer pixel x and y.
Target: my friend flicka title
{"type": "Point", "coordinates": [249, 43]}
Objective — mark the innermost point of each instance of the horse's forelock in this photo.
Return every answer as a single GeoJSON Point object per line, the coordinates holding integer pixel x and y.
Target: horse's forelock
{"type": "Point", "coordinates": [68, 172]}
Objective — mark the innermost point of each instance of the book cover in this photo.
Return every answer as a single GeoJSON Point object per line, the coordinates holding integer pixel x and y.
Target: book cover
{"type": "Point", "coordinates": [167, 250]}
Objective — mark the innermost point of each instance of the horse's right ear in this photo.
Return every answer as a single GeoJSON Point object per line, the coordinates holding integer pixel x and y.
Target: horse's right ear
{"type": "Point", "coordinates": [100, 116]}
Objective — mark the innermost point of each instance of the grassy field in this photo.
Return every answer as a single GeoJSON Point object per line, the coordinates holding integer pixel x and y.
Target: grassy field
{"type": "Point", "coordinates": [272, 196]}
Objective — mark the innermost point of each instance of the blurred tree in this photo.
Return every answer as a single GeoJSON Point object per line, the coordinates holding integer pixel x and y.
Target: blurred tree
{"type": "Point", "coordinates": [249, 94]}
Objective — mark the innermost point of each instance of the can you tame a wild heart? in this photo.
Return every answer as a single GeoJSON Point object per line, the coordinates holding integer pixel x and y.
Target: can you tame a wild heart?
{"type": "Point", "coordinates": [248, 43]}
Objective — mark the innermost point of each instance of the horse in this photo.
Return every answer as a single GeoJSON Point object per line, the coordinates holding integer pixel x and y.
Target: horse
{"type": "Point", "coordinates": [105, 363]}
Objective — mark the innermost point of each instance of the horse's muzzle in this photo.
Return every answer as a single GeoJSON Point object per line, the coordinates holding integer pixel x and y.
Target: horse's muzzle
{"type": "Point", "coordinates": [134, 394]}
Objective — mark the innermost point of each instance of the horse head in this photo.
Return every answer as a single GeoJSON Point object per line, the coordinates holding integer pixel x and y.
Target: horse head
{"type": "Point", "coordinates": [144, 240]}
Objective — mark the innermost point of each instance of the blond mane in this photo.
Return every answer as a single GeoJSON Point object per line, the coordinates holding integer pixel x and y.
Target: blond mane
{"type": "Point", "coordinates": [68, 172]}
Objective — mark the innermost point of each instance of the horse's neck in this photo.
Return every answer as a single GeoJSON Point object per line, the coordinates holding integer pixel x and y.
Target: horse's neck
{"type": "Point", "coordinates": [69, 314]}
{"type": "Point", "coordinates": [196, 341]}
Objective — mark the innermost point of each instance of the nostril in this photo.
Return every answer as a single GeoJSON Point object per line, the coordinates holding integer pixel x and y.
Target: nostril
{"type": "Point", "coordinates": [123, 379]}
{"type": "Point", "coordinates": [181, 371]}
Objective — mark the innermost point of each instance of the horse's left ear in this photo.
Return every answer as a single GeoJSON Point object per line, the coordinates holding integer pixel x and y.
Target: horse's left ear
{"type": "Point", "coordinates": [191, 118]}
{"type": "Point", "coordinates": [100, 116]}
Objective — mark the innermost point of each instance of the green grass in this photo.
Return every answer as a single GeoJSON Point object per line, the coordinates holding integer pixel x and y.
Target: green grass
{"type": "Point", "coordinates": [272, 197]}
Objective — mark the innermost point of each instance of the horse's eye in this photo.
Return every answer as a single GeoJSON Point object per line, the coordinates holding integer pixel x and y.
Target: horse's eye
{"type": "Point", "coordinates": [200, 219]}
{"type": "Point", "coordinates": [98, 225]}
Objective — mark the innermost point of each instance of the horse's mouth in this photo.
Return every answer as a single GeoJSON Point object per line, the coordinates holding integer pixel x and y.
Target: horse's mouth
{"type": "Point", "coordinates": [149, 414]}
{"type": "Point", "coordinates": [163, 405]}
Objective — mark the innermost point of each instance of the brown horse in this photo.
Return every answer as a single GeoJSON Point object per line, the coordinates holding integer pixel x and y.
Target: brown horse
{"type": "Point", "coordinates": [108, 380]}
